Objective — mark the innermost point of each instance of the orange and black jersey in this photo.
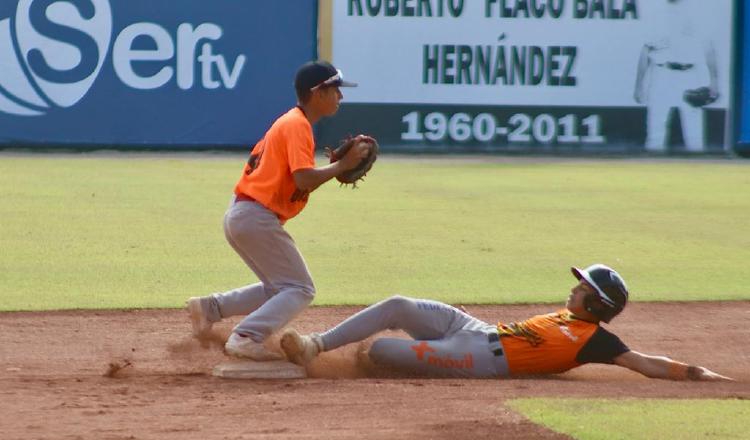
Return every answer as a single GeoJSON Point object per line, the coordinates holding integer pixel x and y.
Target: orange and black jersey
{"type": "Point", "coordinates": [556, 342]}
{"type": "Point", "coordinates": [267, 177]}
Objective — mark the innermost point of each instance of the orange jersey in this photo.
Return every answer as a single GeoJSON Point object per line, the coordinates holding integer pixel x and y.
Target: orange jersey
{"type": "Point", "coordinates": [287, 146]}
{"type": "Point", "coordinates": [551, 343]}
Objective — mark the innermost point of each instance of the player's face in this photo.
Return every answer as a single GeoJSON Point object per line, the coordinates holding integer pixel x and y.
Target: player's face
{"type": "Point", "coordinates": [577, 294]}
{"type": "Point", "coordinates": [328, 99]}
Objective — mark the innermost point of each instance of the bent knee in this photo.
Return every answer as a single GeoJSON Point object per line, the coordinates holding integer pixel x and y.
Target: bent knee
{"type": "Point", "coordinates": [398, 302]}
{"type": "Point", "coordinates": [306, 290]}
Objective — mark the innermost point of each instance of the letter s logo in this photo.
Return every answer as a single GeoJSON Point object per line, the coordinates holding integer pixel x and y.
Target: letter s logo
{"type": "Point", "coordinates": [89, 52]}
{"type": "Point", "coordinates": [52, 52]}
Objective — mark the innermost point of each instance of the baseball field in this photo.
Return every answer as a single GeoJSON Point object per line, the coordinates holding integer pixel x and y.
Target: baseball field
{"type": "Point", "coordinates": [100, 251]}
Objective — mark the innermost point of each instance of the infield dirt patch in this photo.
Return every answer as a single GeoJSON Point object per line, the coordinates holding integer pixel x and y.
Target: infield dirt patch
{"type": "Point", "coordinates": [139, 375]}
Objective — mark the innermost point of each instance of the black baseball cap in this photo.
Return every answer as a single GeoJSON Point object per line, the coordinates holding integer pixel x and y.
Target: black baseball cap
{"type": "Point", "coordinates": [316, 74]}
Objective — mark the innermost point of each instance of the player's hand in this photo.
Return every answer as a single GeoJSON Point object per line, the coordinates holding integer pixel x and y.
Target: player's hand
{"type": "Point", "coordinates": [706, 374]}
{"type": "Point", "coordinates": [356, 154]}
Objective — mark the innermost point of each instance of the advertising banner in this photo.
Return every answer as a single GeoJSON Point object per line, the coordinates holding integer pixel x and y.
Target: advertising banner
{"type": "Point", "coordinates": [148, 72]}
{"type": "Point", "coordinates": [742, 80]}
{"type": "Point", "coordinates": [535, 75]}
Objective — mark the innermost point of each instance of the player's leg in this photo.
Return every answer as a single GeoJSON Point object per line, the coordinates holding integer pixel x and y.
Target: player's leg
{"type": "Point", "coordinates": [246, 299]}
{"type": "Point", "coordinates": [662, 98]}
{"type": "Point", "coordinates": [206, 310]}
{"type": "Point", "coordinates": [657, 125]}
{"type": "Point", "coordinates": [421, 319]}
{"type": "Point", "coordinates": [463, 354]}
{"type": "Point", "coordinates": [288, 286]}
{"type": "Point", "coordinates": [693, 128]}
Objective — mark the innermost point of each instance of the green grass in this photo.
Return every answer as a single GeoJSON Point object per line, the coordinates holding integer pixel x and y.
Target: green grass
{"type": "Point", "coordinates": [94, 231]}
{"type": "Point", "coordinates": [594, 419]}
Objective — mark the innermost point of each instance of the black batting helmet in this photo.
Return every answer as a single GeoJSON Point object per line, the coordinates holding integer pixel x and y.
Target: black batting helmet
{"type": "Point", "coordinates": [611, 292]}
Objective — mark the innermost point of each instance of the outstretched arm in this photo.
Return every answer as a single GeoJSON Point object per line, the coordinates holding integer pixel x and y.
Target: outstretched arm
{"type": "Point", "coordinates": [662, 367]}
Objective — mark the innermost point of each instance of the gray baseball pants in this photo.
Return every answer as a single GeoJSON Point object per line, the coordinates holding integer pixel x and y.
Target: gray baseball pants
{"type": "Point", "coordinates": [285, 286]}
{"type": "Point", "coordinates": [447, 342]}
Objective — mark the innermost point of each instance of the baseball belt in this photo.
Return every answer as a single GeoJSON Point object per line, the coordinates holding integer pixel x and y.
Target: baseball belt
{"type": "Point", "coordinates": [495, 347]}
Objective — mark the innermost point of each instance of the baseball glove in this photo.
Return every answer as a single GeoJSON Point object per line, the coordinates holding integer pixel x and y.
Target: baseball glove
{"type": "Point", "coordinates": [360, 171]}
{"type": "Point", "coordinates": [699, 97]}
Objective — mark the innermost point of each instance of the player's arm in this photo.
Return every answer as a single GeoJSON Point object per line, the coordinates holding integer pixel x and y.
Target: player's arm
{"type": "Point", "coordinates": [661, 367]}
{"type": "Point", "coordinates": [713, 70]}
{"type": "Point", "coordinates": [309, 179]}
{"type": "Point", "coordinates": [643, 64]}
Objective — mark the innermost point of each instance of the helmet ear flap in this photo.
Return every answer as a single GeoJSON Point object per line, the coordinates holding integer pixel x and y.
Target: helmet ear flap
{"type": "Point", "coordinates": [596, 307]}
{"type": "Point", "coordinates": [593, 305]}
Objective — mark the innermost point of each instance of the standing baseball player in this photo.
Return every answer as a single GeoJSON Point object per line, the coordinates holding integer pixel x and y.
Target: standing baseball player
{"type": "Point", "coordinates": [449, 342]}
{"type": "Point", "coordinates": [669, 66]}
{"type": "Point", "coordinates": [274, 187]}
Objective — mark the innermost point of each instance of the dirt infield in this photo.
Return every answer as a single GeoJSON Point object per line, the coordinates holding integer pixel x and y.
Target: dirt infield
{"type": "Point", "coordinates": [138, 375]}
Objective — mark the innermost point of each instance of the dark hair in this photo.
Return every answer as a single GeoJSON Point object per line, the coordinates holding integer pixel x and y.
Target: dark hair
{"type": "Point", "coordinates": [304, 95]}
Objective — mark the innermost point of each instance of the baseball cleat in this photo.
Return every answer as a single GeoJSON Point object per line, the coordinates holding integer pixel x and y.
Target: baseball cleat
{"type": "Point", "coordinates": [300, 349]}
{"type": "Point", "coordinates": [243, 346]}
{"type": "Point", "coordinates": [200, 324]}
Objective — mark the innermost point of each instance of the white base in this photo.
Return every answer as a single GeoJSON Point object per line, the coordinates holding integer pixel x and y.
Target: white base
{"type": "Point", "coordinates": [247, 369]}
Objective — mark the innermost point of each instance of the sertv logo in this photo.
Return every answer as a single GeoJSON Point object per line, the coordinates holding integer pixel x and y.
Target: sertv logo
{"type": "Point", "coordinates": [52, 51]}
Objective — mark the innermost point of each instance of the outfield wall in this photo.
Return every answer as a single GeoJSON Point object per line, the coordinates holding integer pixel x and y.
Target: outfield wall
{"type": "Point", "coordinates": [534, 76]}
{"type": "Point", "coordinates": [741, 120]}
{"type": "Point", "coordinates": [133, 73]}
{"type": "Point", "coordinates": [454, 76]}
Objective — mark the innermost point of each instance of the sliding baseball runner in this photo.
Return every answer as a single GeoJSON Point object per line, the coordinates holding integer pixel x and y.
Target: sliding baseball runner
{"type": "Point", "coordinates": [449, 342]}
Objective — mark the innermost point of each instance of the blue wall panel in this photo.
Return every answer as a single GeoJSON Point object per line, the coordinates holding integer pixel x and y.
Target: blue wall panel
{"type": "Point", "coordinates": [744, 86]}
{"type": "Point", "coordinates": [148, 72]}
